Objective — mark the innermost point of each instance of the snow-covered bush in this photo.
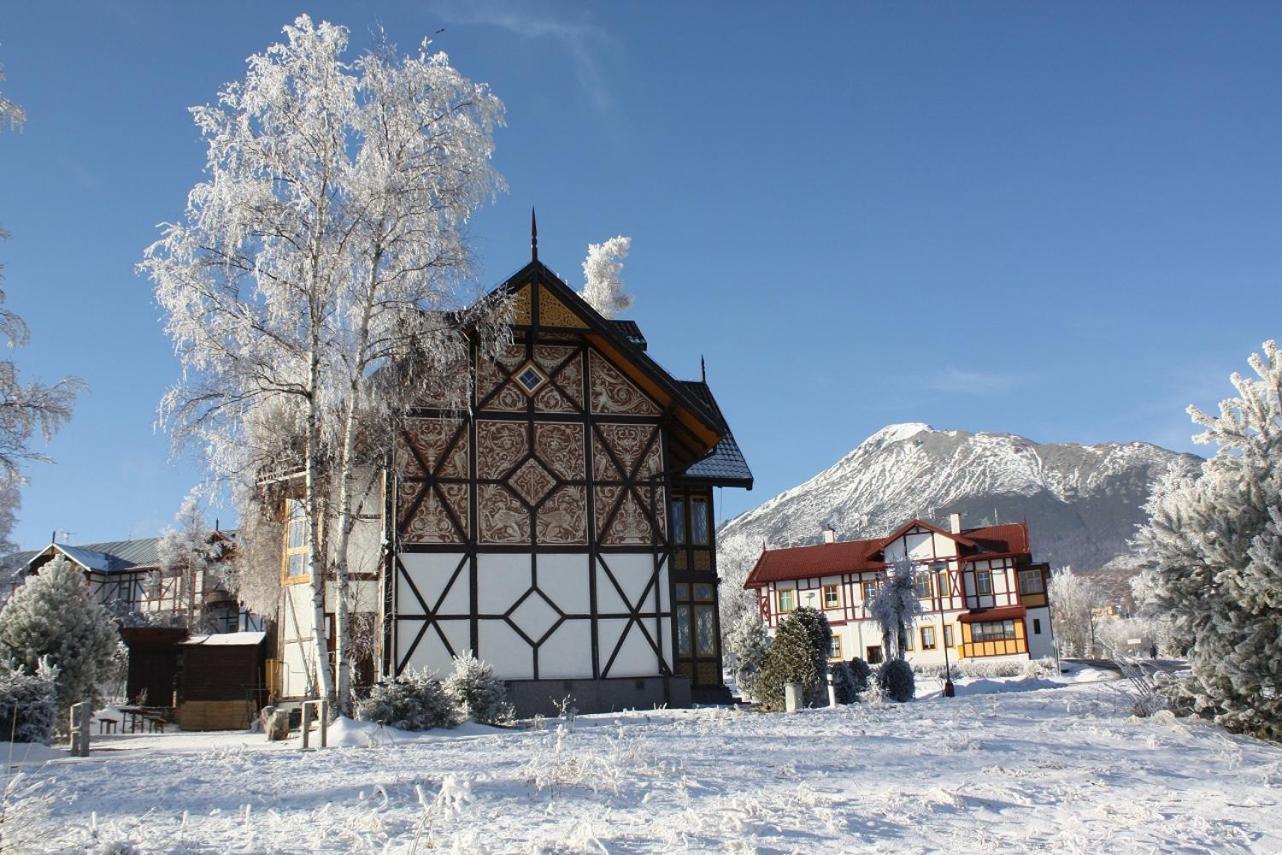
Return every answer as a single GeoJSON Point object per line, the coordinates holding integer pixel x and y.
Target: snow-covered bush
{"type": "Point", "coordinates": [1043, 667]}
{"type": "Point", "coordinates": [989, 668]}
{"type": "Point", "coordinates": [798, 654]}
{"type": "Point", "coordinates": [843, 683]}
{"type": "Point", "coordinates": [28, 702]}
{"type": "Point", "coordinates": [53, 615]}
{"type": "Point", "coordinates": [895, 679]}
{"type": "Point", "coordinates": [937, 672]}
{"type": "Point", "coordinates": [1212, 551]}
{"type": "Point", "coordinates": [749, 644]}
{"type": "Point", "coordinates": [860, 676]}
{"type": "Point", "coordinates": [412, 701]}
{"type": "Point", "coordinates": [477, 695]}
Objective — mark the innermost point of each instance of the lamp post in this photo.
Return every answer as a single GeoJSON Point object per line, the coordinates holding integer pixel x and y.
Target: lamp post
{"type": "Point", "coordinates": [949, 690]}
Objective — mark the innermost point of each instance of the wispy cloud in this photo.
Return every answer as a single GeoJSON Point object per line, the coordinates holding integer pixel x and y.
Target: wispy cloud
{"type": "Point", "coordinates": [966, 382]}
{"type": "Point", "coordinates": [583, 41]}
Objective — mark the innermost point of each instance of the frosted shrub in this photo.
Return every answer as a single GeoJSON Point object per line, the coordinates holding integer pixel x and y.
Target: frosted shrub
{"type": "Point", "coordinates": [52, 615]}
{"type": "Point", "coordinates": [1043, 667]}
{"type": "Point", "coordinates": [477, 695]}
{"type": "Point", "coordinates": [413, 701]}
{"type": "Point", "coordinates": [988, 668]}
{"type": "Point", "coordinates": [28, 702]}
{"type": "Point", "coordinates": [843, 683]}
{"type": "Point", "coordinates": [895, 679]}
{"type": "Point", "coordinates": [938, 672]}
{"type": "Point", "coordinates": [860, 676]}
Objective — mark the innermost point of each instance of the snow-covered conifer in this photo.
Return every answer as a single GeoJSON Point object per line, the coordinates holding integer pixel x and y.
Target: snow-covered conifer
{"type": "Point", "coordinates": [476, 693]}
{"type": "Point", "coordinates": [749, 644]}
{"type": "Point", "coordinates": [893, 606]}
{"type": "Point", "coordinates": [53, 615]}
{"type": "Point", "coordinates": [798, 654]}
{"type": "Point", "coordinates": [1213, 554]}
{"type": "Point", "coordinates": [603, 276]}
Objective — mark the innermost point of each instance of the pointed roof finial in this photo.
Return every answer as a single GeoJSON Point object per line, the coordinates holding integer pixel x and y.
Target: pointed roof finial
{"type": "Point", "coordinates": [703, 369]}
{"type": "Point", "coordinates": [534, 236]}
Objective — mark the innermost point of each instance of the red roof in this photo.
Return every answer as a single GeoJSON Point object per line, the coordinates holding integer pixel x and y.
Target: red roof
{"type": "Point", "coordinates": [861, 556]}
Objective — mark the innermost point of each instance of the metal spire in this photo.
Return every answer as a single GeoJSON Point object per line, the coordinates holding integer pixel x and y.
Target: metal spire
{"type": "Point", "coordinates": [703, 369]}
{"type": "Point", "coordinates": [534, 236]}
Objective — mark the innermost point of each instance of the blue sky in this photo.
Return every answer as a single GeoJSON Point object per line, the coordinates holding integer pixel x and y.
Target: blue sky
{"type": "Point", "coordinates": [1058, 220]}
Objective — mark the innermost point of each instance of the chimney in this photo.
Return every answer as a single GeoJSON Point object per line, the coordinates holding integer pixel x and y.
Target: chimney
{"type": "Point", "coordinates": [830, 534]}
{"type": "Point", "coordinates": [954, 523]}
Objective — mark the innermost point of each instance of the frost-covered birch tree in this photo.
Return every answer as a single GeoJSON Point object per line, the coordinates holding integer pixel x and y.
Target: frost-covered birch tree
{"type": "Point", "coordinates": [603, 276]}
{"type": "Point", "coordinates": [1073, 600]}
{"type": "Point", "coordinates": [1213, 557]}
{"type": "Point", "coordinates": [191, 563]}
{"type": "Point", "coordinates": [894, 606]}
{"type": "Point", "coordinates": [26, 409]}
{"type": "Point", "coordinates": [326, 245]}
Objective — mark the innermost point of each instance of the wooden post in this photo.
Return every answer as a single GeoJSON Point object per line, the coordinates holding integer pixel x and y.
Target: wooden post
{"type": "Point", "coordinates": [832, 691]}
{"type": "Point", "coordinates": [307, 722]}
{"type": "Point", "coordinates": [78, 728]}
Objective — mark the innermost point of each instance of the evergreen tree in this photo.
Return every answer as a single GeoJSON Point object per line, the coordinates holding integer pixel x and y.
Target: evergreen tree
{"type": "Point", "coordinates": [53, 615]}
{"type": "Point", "coordinates": [749, 645]}
{"type": "Point", "coordinates": [798, 654]}
{"type": "Point", "coordinates": [1213, 557]}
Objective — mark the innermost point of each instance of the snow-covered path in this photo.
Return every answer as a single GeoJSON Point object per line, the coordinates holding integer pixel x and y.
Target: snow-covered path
{"type": "Point", "coordinates": [1065, 769]}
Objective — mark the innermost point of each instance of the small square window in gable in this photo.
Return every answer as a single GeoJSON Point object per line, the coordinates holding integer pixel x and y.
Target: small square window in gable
{"type": "Point", "coordinates": [530, 378]}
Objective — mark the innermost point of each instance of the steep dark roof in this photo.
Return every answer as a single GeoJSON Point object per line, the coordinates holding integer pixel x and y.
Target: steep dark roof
{"type": "Point", "coordinates": [630, 331]}
{"type": "Point", "coordinates": [725, 464]}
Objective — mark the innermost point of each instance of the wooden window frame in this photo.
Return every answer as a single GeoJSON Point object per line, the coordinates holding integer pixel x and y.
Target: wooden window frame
{"type": "Point", "coordinates": [979, 590]}
{"type": "Point", "coordinates": [834, 650]}
{"type": "Point", "coordinates": [779, 594]}
{"type": "Point", "coordinates": [288, 552]}
{"type": "Point", "coordinates": [836, 591]}
{"type": "Point", "coordinates": [1021, 575]}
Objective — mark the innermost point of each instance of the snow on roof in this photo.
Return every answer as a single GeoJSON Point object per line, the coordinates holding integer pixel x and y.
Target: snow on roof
{"type": "Point", "coordinates": [223, 639]}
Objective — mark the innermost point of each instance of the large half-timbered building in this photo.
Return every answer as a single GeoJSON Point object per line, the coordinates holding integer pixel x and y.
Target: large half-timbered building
{"type": "Point", "coordinates": [562, 527]}
{"type": "Point", "coordinates": [981, 594]}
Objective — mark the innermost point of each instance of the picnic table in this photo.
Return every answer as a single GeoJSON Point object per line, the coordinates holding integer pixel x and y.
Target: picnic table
{"type": "Point", "coordinates": [145, 719]}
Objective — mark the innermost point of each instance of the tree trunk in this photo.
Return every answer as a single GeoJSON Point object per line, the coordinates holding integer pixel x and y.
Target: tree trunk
{"type": "Point", "coordinates": [316, 555]}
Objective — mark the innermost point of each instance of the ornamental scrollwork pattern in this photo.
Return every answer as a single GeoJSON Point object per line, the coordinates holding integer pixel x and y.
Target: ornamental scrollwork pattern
{"type": "Point", "coordinates": [560, 446]}
{"type": "Point", "coordinates": [502, 519]}
{"type": "Point", "coordinates": [499, 447]}
{"type": "Point", "coordinates": [614, 393]}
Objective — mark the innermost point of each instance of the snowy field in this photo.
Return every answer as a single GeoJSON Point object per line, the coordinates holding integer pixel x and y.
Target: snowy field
{"type": "Point", "coordinates": [1064, 768]}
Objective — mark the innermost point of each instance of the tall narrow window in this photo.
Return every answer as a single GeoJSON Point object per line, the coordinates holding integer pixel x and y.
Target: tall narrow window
{"type": "Point", "coordinates": [698, 520]}
{"type": "Point", "coordinates": [870, 590]}
{"type": "Point", "coordinates": [948, 635]}
{"type": "Point", "coordinates": [678, 519]}
{"type": "Point", "coordinates": [295, 558]}
{"type": "Point", "coordinates": [832, 596]}
{"type": "Point", "coordinates": [927, 638]}
{"type": "Point", "coordinates": [787, 600]}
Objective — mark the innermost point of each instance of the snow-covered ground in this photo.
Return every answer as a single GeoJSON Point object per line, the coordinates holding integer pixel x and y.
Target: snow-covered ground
{"type": "Point", "coordinates": [1063, 768]}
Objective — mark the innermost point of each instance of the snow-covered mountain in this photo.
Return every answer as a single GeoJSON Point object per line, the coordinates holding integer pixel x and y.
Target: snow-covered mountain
{"type": "Point", "coordinates": [1082, 502]}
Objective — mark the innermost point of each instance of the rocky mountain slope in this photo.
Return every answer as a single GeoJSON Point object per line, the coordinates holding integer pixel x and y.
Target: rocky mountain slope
{"type": "Point", "coordinates": [1082, 502]}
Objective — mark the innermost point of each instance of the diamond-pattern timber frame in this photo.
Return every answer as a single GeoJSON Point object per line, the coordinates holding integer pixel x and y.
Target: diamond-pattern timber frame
{"type": "Point", "coordinates": [575, 467]}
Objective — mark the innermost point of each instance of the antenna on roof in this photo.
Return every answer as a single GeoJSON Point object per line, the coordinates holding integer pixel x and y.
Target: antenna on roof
{"type": "Point", "coordinates": [703, 369]}
{"type": "Point", "coordinates": [534, 236]}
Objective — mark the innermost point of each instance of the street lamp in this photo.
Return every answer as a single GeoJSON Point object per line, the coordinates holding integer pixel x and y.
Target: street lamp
{"type": "Point", "coordinates": [949, 690]}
